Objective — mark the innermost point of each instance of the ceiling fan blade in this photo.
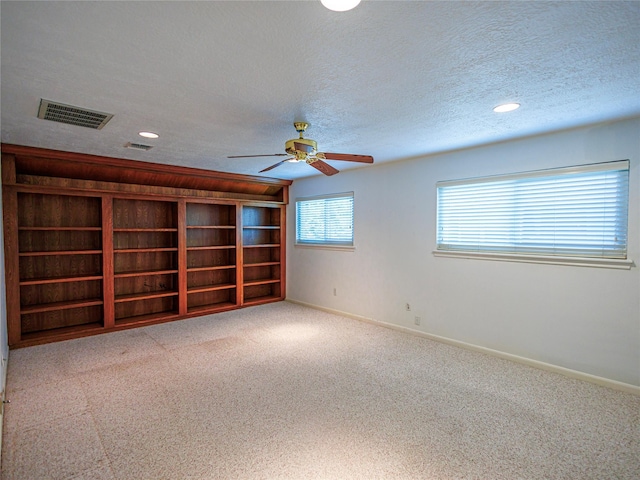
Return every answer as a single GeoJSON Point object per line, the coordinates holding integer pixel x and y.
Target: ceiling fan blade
{"type": "Point", "coordinates": [348, 157]}
{"type": "Point", "coordinates": [268, 155]}
{"type": "Point", "coordinates": [303, 147]}
{"type": "Point", "coordinates": [273, 166]}
{"type": "Point", "coordinates": [324, 167]}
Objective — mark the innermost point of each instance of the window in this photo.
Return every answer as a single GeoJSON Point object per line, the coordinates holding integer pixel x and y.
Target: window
{"type": "Point", "coordinates": [325, 220]}
{"type": "Point", "coordinates": [578, 211]}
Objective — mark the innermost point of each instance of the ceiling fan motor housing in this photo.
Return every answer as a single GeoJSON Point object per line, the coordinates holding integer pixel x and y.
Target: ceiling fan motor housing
{"type": "Point", "coordinates": [291, 148]}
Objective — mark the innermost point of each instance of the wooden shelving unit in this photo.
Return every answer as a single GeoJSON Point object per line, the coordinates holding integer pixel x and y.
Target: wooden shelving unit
{"type": "Point", "coordinates": [211, 256]}
{"type": "Point", "coordinates": [262, 253]}
{"type": "Point", "coordinates": [60, 263]}
{"type": "Point", "coordinates": [145, 251]}
{"type": "Point", "coordinates": [94, 244]}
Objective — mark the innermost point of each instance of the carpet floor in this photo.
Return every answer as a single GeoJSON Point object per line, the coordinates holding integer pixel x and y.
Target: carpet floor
{"type": "Point", "coordinates": [281, 391]}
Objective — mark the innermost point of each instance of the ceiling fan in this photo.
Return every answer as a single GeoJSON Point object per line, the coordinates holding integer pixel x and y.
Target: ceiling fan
{"type": "Point", "coordinates": [306, 150]}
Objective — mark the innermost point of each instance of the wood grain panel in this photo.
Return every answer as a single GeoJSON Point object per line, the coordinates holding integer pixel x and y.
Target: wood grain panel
{"type": "Point", "coordinates": [253, 255]}
{"type": "Point", "coordinates": [8, 169]}
{"type": "Point", "coordinates": [107, 262]}
{"type": "Point", "coordinates": [210, 257]}
{"type": "Point", "coordinates": [44, 210]}
{"type": "Point", "coordinates": [56, 266]}
{"type": "Point", "coordinates": [206, 278]}
{"type": "Point", "coordinates": [144, 214]}
{"type": "Point", "coordinates": [240, 259]}
{"type": "Point", "coordinates": [146, 284]}
{"type": "Point", "coordinates": [52, 320]}
{"type": "Point", "coordinates": [54, 163]}
{"type": "Point", "coordinates": [142, 308]}
{"type": "Point", "coordinates": [31, 295]}
{"type": "Point", "coordinates": [282, 255]}
{"type": "Point", "coordinates": [182, 256]}
{"type": "Point", "coordinates": [203, 214]}
{"type": "Point", "coordinates": [212, 299]}
{"type": "Point", "coordinates": [80, 187]}
{"type": "Point", "coordinates": [12, 263]}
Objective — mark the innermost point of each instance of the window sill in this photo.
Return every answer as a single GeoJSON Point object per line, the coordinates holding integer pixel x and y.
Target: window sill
{"type": "Point", "coordinates": [321, 246]}
{"type": "Point", "coordinates": [545, 259]}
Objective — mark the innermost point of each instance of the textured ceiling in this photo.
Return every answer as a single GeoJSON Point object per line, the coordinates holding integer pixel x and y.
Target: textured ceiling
{"type": "Point", "coordinates": [392, 79]}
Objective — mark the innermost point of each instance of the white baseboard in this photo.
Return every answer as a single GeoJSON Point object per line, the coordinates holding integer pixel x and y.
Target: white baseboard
{"type": "Point", "coordinates": [567, 372]}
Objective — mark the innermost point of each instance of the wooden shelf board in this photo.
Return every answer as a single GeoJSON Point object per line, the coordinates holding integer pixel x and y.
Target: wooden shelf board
{"type": "Point", "coordinates": [261, 264]}
{"type": "Point", "coordinates": [143, 230]}
{"type": "Point", "coordinates": [263, 281]}
{"type": "Point", "coordinates": [212, 227]}
{"type": "Point", "coordinates": [60, 252]}
{"type": "Point", "coordinates": [59, 229]}
{"type": "Point", "coordinates": [263, 245]}
{"type": "Point", "coordinates": [212, 307]}
{"type": "Point", "coordinates": [261, 227]}
{"type": "Point", "coordinates": [150, 318]}
{"type": "Point", "coordinates": [145, 250]}
{"type": "Point", "coordinates": [206, 269]}
{"type": "Point", "coordinates": [33, 338]}
{"type": "Point", "coordinates": [74, 278]}
{"type": "Point", "coordinates": [259, 300]}
{"type": "Point", "coordinates": [211, 288]}
{"type": "Point", "coordinates": [145, 273]}
{"type": "Point", "coordinates": [144, 296]}
{"type": "Point", "coordinates": [211, 247]}
{"type": "Point", "coordinates": [50, 307]}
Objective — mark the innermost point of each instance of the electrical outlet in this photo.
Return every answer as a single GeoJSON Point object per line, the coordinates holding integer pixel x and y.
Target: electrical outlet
{"type": "Point", "coordinates": [335, 292]}
{"type": "Point", "coordinates": [407, 307]}
{"type": "Point", "coordinates": [416, 320]}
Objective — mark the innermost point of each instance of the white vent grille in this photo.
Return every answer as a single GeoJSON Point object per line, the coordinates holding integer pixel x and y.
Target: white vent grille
{"type": "Point", "coordinates": [59, 112]}
{"type": "Point", "coordinates": [138, 146]}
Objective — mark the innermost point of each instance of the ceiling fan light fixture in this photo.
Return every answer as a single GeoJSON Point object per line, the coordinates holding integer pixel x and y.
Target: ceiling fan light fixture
{"type": "Point", "coordinates": [340, 5]}
{"type": "Point", "coordinates": [506, 107]}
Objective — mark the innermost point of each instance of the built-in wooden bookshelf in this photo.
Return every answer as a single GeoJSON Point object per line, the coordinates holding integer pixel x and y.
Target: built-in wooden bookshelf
{"type": "Point", "coordinates": [211, 256]}
{"type": "Point", "coordinates": [60, 263]}
{"type": "Point", "coordinates": [261, 241]}
{"type": "Point", "coordinates": [90, 249]}
{"type": "Point", "coordinates": [145, 259]}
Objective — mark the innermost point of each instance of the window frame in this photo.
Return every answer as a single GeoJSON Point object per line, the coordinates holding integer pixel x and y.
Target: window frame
{"type": "Point", "coordinates": [332, 245]}
{"type": "Point", "coordinates": [536, 257]}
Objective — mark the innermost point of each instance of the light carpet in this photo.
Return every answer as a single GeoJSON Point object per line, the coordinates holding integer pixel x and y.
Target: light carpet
{"type": "Point", "coordinates": [282, 391]}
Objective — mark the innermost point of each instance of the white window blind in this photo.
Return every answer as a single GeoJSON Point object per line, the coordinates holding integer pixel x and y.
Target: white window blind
{"type": "Point", "coordinates": [577, 211]}
{"type": "Point", "coordinates": [325, 220]}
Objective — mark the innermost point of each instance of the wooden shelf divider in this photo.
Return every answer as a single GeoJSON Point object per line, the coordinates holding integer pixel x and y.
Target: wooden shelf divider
{"type": "Point", "coordinates": [208, 268]}
{"type": "Point", "coordinates": [48, 253]}
{"type": "Point", "coordinates": [144, 296]}
{"type": "Point", "coordinates": [59, 229]}
{"type": "Point", "coordinates": [211, 247]}
{"type": "Point", "coordinates": [210, 288]}
{"type": "Point", "coordinates": [50, 307]}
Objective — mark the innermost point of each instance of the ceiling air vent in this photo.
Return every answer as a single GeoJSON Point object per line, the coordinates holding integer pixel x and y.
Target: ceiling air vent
{"type": "Point", "coordinates": [59, 112]}
{"type": "Point", "coordinates": [138, 146]}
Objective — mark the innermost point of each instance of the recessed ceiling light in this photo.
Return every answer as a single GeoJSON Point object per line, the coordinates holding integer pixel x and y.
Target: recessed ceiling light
{"type": "Point", "coordinates": [148, 134]}
{"type": "Point", "coordinates": [340, 5]}
{"type": "Point", "coordinates": [506, 107]}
